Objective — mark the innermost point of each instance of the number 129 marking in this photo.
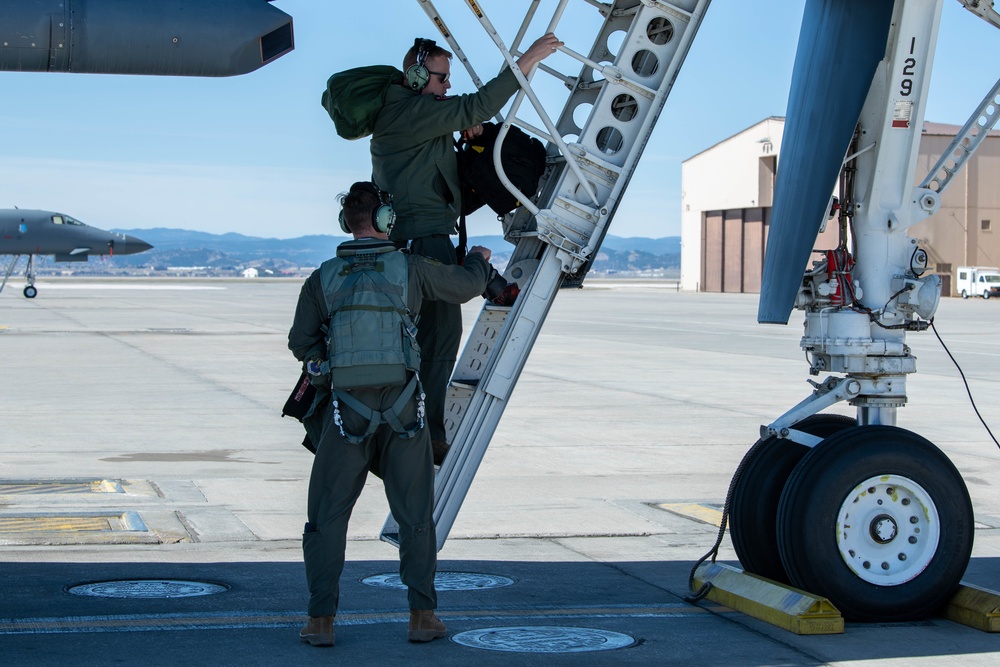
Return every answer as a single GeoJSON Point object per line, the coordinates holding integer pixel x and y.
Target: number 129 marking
{"type": "Point", "coordinates": [909, 70]}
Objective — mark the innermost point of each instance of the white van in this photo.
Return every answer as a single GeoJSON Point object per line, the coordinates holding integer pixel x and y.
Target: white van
{"type": "Point", "coordinates": [981, 281]}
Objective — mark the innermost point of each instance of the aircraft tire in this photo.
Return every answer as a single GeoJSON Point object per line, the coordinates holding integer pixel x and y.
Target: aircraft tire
{"type": "Point", "coordinates": [753, 509]}
{"type": "Point", "coordinates": [879, 521]}
{"type": "Point", "coordinates": [30, 292]}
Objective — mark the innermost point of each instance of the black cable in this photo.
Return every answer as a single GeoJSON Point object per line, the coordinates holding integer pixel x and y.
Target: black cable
{"type": "Point", "coordinates": [965, 382]}
{"type": "Point", "coordinates": [714, 551]}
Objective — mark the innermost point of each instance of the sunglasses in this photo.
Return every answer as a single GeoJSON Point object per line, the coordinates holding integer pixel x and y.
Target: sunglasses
{"type": "Point", "coordinates": [441, 75]}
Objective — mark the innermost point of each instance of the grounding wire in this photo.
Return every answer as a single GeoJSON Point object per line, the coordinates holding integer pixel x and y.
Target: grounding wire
{"type": "Point", "coordinates": [714, 551]}
{"type": "Point", "coordinates": [965, 382]}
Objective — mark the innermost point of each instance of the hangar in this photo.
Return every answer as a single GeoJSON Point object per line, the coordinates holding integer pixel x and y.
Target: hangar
{"type": "Point", "coordinates": [727, 191]}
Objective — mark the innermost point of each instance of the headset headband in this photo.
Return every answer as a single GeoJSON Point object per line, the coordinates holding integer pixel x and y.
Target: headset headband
{"type": "Point", "coordinates": [423, 47]}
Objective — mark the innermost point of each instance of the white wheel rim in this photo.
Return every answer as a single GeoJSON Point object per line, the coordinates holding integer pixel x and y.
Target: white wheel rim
{"type": "Point", "coordinates": [888, 530]}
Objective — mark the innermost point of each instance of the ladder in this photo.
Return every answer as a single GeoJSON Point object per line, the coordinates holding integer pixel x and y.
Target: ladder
{"type": "Point", "coordinates": [624, 81]}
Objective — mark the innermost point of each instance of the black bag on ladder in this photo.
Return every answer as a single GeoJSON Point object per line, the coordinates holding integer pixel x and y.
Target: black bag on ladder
{"type": "Point", "coordinates": [523, 159]}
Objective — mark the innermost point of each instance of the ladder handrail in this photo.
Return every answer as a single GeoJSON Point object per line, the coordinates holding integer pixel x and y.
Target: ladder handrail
{"type": "Point", "coordinates": [526, 91]}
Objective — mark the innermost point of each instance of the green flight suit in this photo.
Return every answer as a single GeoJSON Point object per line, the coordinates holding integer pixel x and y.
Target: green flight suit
{"type": "Point", "coordinates": [405, 465]}
{"type": "Point", "coordinates": [413, 157]}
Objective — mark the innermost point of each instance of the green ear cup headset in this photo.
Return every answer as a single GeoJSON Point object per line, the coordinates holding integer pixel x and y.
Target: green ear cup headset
{"type": "Point", "coordinates": [383, 216]}
{"type": "Point", "coordinates": [417, 75]}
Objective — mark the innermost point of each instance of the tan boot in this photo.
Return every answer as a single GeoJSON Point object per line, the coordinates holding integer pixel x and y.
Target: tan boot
{"type": "Point", "coordinates": [318, 631]}
{"type": "Point", "coordinates": [425, 626]}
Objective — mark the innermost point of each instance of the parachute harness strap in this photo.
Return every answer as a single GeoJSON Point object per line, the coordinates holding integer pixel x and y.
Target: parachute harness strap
{"type": "Point", "coordinates": [376, 418]}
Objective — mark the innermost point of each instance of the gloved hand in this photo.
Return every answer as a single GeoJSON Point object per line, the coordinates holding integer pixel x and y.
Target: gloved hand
{"type": "Point", "coordinates": [495, 285]}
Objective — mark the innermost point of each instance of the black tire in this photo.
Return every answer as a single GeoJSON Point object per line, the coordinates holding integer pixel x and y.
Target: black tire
{"type": "Point", "coordinates": [30, 292]}
{"type": "Point", "coordinates": [753, 508]}
{"type": "Point", "coordinates": [965, 295]}
{"type": "Point", "coordinates": [846, 510]}
{"type": "Point", "coordinates": [986, 294]}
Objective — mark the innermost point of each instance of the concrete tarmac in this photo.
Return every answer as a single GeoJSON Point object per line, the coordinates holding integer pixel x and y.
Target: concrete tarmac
{"type": "Point", "coordinates": [140, 441]}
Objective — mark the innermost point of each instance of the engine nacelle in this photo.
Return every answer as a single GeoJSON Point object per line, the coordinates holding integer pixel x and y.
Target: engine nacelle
{"type": "Point", "coordinates": [166, 37]}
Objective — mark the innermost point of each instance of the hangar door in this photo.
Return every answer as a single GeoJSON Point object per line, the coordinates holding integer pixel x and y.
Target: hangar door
{"type": "Point", "coordinates": [732, 249]}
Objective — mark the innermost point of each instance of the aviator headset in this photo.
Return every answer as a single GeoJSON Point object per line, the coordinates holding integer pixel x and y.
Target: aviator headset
{"type": "Point", "coordinates": [383, 216]}
{"type": "Point", "coordinates": [417, 75]}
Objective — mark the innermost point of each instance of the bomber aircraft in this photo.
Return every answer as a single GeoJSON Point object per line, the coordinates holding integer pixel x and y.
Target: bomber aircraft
{"type": "Point", "coordinates": [166, 38]}
{"type": "Point", "coordinates": [31, 233]}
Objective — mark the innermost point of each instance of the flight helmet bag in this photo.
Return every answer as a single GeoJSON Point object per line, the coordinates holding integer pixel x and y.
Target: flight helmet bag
{"type": "Point", "coordinates": [354, 97]}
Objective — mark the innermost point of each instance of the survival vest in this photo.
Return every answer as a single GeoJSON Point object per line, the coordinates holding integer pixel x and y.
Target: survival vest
{"type": "Point", "coordinates": [371, 338]}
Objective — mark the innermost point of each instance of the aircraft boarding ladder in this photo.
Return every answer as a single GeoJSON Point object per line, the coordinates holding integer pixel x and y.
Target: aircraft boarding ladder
{"type": "Point", "coordinates": [558, 233]}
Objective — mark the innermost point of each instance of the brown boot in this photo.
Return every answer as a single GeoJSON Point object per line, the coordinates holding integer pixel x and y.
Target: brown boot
{"type": "Point", "coordinates": [425, 626]}
{"type": "Point", "coordinates": [318, 631]}
{"type": "Point", "coordinates": [440, 449]}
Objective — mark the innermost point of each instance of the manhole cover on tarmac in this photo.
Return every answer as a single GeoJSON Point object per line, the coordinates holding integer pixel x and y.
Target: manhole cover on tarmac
{"type": "Point", "coordinates": [147, 588]}
{"type": "Point", "coordinates": [543, 639]}
{"type": "Point", "coordinates": [444, 581]}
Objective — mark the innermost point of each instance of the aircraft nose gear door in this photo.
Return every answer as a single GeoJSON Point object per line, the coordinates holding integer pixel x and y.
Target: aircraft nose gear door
{"type": "Point", "coordinates": [613, 102]}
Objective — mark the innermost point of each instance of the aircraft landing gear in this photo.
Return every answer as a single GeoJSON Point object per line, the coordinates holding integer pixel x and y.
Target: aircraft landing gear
{"type": "Point", "coordinates": [30, 292]}
{"type": "Point", "coordinates": [878, 520]}
{"type": "Point", "coordinates": [753, 508]}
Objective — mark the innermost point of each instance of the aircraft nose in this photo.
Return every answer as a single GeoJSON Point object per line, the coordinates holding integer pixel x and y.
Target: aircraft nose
{"type": "Point", "coordinates": [134, 245]}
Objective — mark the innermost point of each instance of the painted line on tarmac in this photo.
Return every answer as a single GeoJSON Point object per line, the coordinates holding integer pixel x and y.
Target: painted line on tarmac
{"type": "Point", "coordinates": [230, 620]}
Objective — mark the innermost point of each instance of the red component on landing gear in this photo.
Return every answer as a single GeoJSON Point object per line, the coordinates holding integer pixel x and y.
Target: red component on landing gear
{"type": "Point", "coordinates": [839, 265]}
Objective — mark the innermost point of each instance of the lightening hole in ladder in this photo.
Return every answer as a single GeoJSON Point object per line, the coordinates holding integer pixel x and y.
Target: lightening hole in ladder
{"type": "Point", "coordinates": [660, 31]}
{"type": "Point", "coordinates": [581, 113]}
{"type": "Point", "coordinates": [610, 140]}
{"type": "Point", "coordinates": [581, 194]}
{"type": "Point", "coordinates": [624, 107]}
{"type": "Point", "coordinates": [614, 42]}
{"type": "Point", "coordinates": [644, 63]}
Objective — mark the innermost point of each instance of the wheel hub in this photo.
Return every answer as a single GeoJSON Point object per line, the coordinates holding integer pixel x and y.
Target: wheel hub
{"type": "Point", "coordinates": [883, 529]}
{"type": "Point", "coordinates": [888, 530]}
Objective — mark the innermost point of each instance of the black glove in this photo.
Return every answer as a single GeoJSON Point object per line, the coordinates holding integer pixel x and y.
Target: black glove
{"type": "Point", "coordinates": [495, 285]}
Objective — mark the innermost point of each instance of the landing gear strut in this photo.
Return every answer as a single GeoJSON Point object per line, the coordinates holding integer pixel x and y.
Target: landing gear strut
{"type": "Point", "coordinates": [29, 274]}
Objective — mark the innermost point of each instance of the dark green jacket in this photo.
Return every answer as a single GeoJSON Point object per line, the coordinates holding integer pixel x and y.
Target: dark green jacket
{"type": "Point", "coordinates": [429, 279]}
{"type": "Point", "coordinates": [413, 152]}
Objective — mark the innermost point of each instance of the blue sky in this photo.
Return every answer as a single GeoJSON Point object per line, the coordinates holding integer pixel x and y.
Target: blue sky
{"type": "Point", "coordinates": [258, 155]}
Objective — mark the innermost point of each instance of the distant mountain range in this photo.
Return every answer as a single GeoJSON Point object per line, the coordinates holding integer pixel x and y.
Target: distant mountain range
{"type": "Point", "coordinates": [232, 253]}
